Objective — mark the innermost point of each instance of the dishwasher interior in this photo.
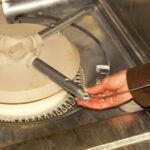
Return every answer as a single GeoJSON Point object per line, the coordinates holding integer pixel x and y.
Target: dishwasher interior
{"type": "Point", "coordinates": [105, 39]}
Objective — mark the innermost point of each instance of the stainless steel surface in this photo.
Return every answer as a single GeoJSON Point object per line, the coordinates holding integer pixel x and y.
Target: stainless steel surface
{"type": "Point", "coordinates": [46, 33]}
{"type": "Point", "coordinates": [13, 8]}
{"type": "Point", "coordinates": [118, 132]}
{"type": "Point", "coordinates": [125, 35]}
{"type": "Point", "coordinates": [66, 83]}
{"type": "Point", "coordinates": [133, 25]}
{"type": "Point", "coordinates": [121, 54]}
{"type": "Point", "coordinates": [17, 134]}
{"type": "Point", "coordinates": [135, 16]}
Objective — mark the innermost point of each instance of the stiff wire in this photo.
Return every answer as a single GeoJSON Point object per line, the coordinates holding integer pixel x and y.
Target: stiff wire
{"type": "Point", "coordinates": [103, 96]}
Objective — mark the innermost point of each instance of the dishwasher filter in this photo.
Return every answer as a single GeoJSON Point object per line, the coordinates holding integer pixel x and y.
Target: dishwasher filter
{"type": "Point", "coordinates": [25, 93]}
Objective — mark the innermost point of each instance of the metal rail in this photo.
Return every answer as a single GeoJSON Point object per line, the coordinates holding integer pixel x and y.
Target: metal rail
{"type": "Point", "coordinates": [47, 32]}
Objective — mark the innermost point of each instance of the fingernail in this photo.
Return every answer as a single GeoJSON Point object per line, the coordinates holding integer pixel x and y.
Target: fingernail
{"type": "Point", "coordinates": [86, 89]}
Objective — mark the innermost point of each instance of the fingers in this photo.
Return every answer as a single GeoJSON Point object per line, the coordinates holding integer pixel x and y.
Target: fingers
{"type": "Point", "coordinates": [95, 104]}
{"type": "Point", "coordinates": [112, 84]}
{"type": "Point", "coordinates": [104, 103]}
{"type": "Point", "coordinates": [95, 89]}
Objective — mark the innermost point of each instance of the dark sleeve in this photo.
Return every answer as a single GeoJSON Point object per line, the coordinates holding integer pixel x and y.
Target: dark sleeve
{"type": "Point", "coordinates": [139, 76]}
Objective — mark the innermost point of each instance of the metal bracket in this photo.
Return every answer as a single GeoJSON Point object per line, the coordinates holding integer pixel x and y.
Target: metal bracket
{"type": "Point", "coordinates": [102, 71]}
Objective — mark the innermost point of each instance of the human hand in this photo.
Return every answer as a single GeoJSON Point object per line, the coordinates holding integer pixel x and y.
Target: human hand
{"type": "Point", "coordinates": [113, 84]}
